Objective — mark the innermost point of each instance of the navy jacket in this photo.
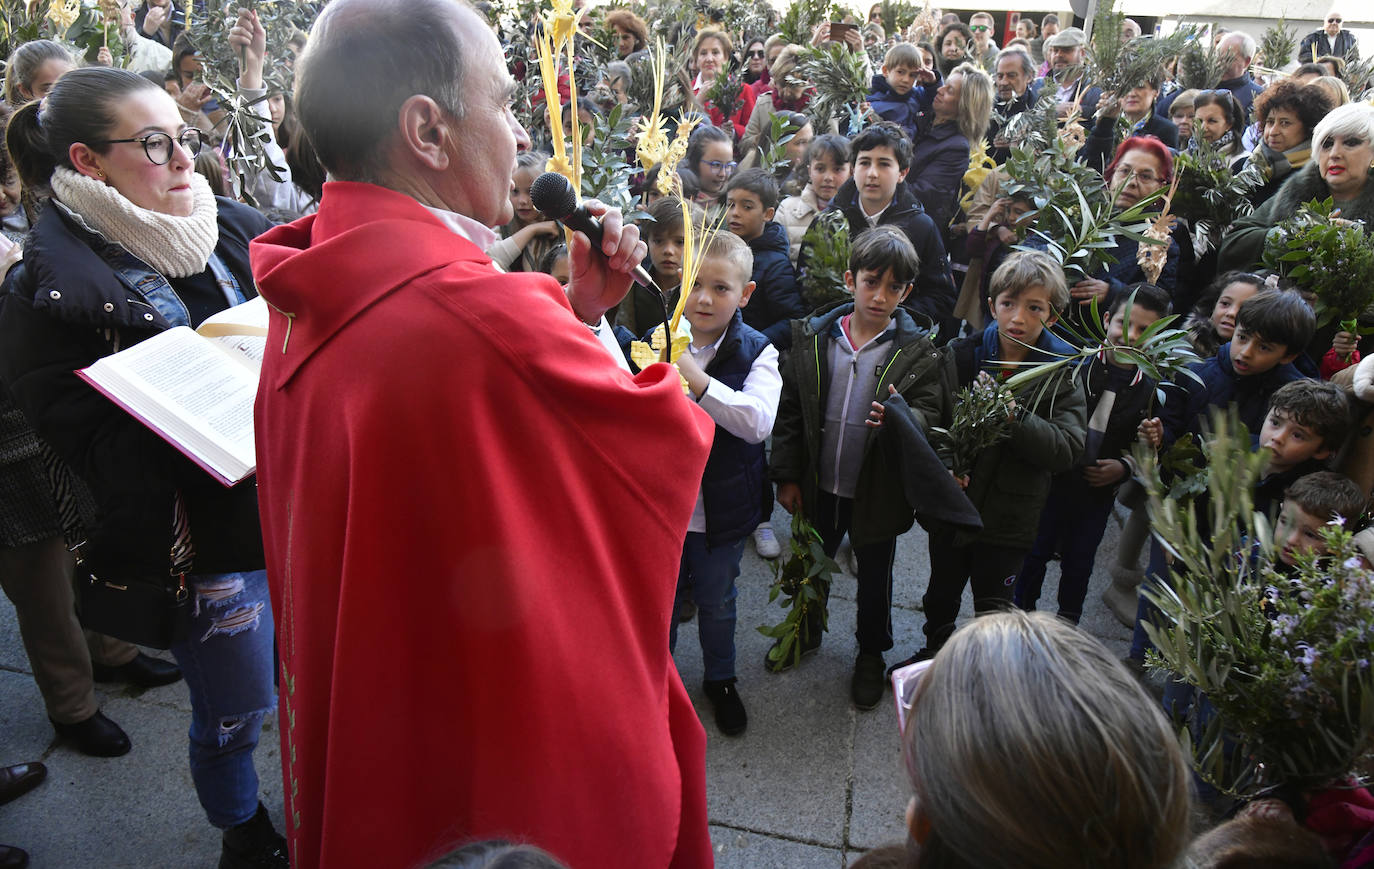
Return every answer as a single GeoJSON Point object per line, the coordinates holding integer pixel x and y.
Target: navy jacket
{"type": "Point", "coordinates": [938, 163]}
{"type": "Point", "coordinates": [1006, 111]}
{"type": "Point", "coordinates": [1244, 88]}
{"type": "Point", "coordinates": [1187, 401]}
{"type": "Point", "coordinates": [734, 486]}
{"type": "Point", "coordinates": [904, 110]}
{"type": "Point", "coordinates": [934, 295]}
{"type": "Point", "coordinates": [777, 299]}
{"type": "Point", "coordinates": [1101, 146]}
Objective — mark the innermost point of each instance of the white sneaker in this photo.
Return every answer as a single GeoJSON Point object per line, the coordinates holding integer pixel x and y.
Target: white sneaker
{"type": "Point", "coordinates": [766, 542]}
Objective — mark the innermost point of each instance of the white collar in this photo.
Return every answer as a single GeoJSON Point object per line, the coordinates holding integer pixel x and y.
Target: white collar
{"type": "Point", "coordinates": [460, 224]}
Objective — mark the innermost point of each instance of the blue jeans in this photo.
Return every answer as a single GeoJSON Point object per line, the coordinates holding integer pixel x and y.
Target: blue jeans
{"type": "Point", "coordinates": [707, 575]}
{"type": "Point", "coordinates": [227, 661]}
{"type": "Point", "coordinates": [1071, 527]}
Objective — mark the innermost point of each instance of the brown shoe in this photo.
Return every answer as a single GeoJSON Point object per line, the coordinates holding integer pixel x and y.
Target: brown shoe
{"type": "Point", "coordinates": [17, 780]}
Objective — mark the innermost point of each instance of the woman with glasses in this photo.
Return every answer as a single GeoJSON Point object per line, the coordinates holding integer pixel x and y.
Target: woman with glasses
{"type": "Point", "coordinates": [1028, 744]}
{"type": "Point", "coordinates": [131, 244]}
{"type": "Point", "coordinates": [1142, 166]}
{"type": "Point", "coordinates": [756, 64]}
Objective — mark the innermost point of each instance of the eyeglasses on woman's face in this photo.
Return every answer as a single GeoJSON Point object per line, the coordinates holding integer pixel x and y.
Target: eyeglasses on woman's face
{"type": "Point", "coordinates": [717, 166]}
{"type": "Point", "coordinates": [158, 146]}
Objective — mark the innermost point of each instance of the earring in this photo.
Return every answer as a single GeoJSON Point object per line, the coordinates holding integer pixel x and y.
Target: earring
{"type": "Point", "coordinates": [101, 175]}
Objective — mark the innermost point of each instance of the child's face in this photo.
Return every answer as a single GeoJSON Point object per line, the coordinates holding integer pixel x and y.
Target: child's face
{"type": "Point", "coordinates": [1021, 317]}
{"type": "Point", "coordinates": [1252, 354]}
{"type": "Point", "coordinates": [1298, 532]}
{"type": "Point", "coordinates": [561, 271]}
{"type": "Point", "coordinates": [1290, 442]}
{"type": "Point", "coordinates": [715, 166]}
{"type": "Point", "coordinates": [900, 78]}
{"type": "Point", "coordinates": [827, 176]}
{"type": "Point", "coordinates": [1118, 333]}
{"type": "Point", "coordinates": [720, 289]}
{"type": "Point", "coordinates": [665, 252]}
{"type": "Point", "coordinates": [525, 212]}
{"type": "Point", "coordinates": [1228, 306]}
{"type": "Point", "coordinates": [877, 174]}
{"type": "Point", "coordinates": [745, 215]}
{"type": "Point", "coordinates": [876, 297]}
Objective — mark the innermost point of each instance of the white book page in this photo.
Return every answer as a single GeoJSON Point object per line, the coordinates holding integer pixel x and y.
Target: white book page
{"type": "Point", "coordinates": [179, 384]}
{"type": "Point", "coordinates": [240, 331]}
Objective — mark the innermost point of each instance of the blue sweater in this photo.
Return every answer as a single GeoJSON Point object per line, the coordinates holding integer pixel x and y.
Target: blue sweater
{"type": "Point", "coordinates": [901, 109]}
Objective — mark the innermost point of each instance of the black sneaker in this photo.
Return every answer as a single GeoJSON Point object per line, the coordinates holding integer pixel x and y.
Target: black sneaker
{"type": "Point", "coordinates": [789, 661]}
{"type": "Point", "coordinates": [924, 655]}
{"type": "Point", "coordinates": [730, 715]}
{"type": "Point", "coordinates": [254, 844]}
{"type": "Point", "coordinates": [866, 687]}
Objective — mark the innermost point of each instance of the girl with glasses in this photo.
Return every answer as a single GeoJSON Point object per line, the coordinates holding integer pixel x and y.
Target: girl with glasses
{"type": "Point", "coordinates": [711, 156]}
{"type": "Point", "coordinates": [131, 244]}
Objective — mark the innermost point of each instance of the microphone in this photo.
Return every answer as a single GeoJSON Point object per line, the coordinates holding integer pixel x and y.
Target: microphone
{"type": "Point", "coordinates": [554, 196]}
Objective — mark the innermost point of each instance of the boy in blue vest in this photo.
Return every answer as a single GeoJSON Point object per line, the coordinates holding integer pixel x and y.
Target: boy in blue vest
{"type": "Point", "coordinates": [732, 372]}
{"type": "Point", "coordinates": [845, 360]}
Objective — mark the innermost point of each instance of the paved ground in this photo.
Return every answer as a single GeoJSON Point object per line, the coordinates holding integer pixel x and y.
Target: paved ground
{"type": "Point", "coordinates": [812, 783]}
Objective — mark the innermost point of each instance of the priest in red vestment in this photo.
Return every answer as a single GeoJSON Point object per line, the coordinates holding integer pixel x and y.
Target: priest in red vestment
{"type": "Point", "coordinates": [472, 515]}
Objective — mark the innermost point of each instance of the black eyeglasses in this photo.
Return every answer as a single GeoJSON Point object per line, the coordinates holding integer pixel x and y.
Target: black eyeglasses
{"type": "Point", "coordinates": [756, 54]}
{"type": "Point", "coordinates": [158, 146]}
{"type": "Point", "coordinates": [1333, 21]}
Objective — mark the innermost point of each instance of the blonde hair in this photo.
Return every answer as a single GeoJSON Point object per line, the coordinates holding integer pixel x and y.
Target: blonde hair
{"type": "Point", "coordinates": [1029, 744]}
{"type": "Point", "coordinates": [714, 33]}
{"type": "Point", "coordinates": [1030, 268]}
{"type": "Point", "coordinates": [1340, 93]}
{"type": "Point", "coordinates": [975, 102]}
{"type": "Point", "coordinates": [734, 250]}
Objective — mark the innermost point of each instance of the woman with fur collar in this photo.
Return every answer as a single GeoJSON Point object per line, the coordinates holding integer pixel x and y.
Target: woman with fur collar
{"type": "Point", "coordinates": [1343, 144]}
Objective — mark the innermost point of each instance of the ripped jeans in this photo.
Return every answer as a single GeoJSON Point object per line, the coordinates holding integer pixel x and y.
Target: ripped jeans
{"type": "Point", "coordinates": [227, 661]}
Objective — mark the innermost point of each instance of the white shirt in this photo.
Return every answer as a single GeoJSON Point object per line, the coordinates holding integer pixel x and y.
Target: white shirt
{"type": "Point", "coordinates": [747, 413]}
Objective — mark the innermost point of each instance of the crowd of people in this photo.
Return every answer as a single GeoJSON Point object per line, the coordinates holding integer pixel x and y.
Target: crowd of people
{"type": "Point", "coordinates": [466, 480]}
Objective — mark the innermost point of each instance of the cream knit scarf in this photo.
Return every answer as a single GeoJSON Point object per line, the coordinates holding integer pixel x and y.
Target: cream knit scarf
{"type": "Point", "coordinates": [177, 247]}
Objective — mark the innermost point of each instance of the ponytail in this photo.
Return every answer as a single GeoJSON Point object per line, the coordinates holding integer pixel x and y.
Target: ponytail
{"type": "Point", "coordinates": [28, 148]}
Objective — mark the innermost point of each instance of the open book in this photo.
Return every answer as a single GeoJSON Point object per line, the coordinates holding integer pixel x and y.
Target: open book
{"type": "Point", "coordinates": [195, 389]}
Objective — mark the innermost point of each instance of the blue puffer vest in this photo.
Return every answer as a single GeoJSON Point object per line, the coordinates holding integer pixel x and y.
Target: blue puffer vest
{"type": "Point", "coordinates": [736, 472]}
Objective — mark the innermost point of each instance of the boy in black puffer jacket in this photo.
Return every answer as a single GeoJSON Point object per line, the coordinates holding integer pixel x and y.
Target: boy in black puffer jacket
{"type": "Point", "coordinates": [751, 198]}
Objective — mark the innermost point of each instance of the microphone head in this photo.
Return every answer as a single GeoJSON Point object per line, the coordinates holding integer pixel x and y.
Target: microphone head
{"type": "Point", "coordinates": [553, 195]}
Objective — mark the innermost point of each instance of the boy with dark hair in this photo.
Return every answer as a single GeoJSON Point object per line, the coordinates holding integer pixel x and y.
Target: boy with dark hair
{"type": "Point", "coordinates": [732, 372]}
{"type": "Point", "coordinates": [1011, 480]}
{"type": "Point", "coordinates": [1272, 328]}
{"type": "Point", "coordinates": [751, 198]}
{"type": "Point", "coordinates": [906, 88]}
{"type": "Point", "coordinates": [1307, 423]}
{"type": "Point", "coordinates": [1310, 504]}
{"type": "Point", "coordinates": [1080, 500]}
{"type": "Point", "coordinates": [665, 234]}
{"type": "Point", "coordinates": [875, 195]}
{"type": "Point", "coordinates": [845, 360]}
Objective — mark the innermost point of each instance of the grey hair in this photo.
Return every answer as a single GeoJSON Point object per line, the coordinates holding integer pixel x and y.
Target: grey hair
{"type": "Point", "coordinates": [1248, 45]}
{"type": "Point", "coordinates": [363, 60]}
{"type": "Point", "coordinates": [1351, 119]}
{"type": "Point", "coordinates": [1029, 742]}
{"type": "Point", "coordinates": [1027, 64]}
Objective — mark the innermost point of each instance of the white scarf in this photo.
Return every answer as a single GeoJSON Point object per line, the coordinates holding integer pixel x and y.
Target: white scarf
{"type": "Point", "coordinates": [177, 247]}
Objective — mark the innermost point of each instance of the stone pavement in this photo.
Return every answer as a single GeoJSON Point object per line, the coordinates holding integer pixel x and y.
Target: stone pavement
{"type": "Point", "coordinates": [813, 783]}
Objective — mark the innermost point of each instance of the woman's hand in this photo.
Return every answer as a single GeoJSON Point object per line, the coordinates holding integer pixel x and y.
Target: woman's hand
{"type": "Point", "coordinates": [249, 39]}
{"type": "Point", "coordinates": [821, 34]}
{"type": "Point", "coordinates": [153, 20]}
{"type": "Point", "coordinates": [195, 96]}
{"type": "Point", "coordinates": [599, 280]}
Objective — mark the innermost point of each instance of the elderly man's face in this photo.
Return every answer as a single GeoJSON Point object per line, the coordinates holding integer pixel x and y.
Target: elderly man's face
{"type": "Point", "coordinates": [486, 140]}
{"type": "Point", "coordinates": [1011, 78]}
{"type": "Point", "coordinates": [1333, 24]}
{"type": "Point", "coordinates": [1063, 58]}
{"type": "Point", "coordinates": [1232, 48]}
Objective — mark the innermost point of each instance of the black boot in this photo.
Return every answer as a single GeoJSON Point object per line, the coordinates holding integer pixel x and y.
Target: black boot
{"type": "Point", "coordinates": [254, 844]}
